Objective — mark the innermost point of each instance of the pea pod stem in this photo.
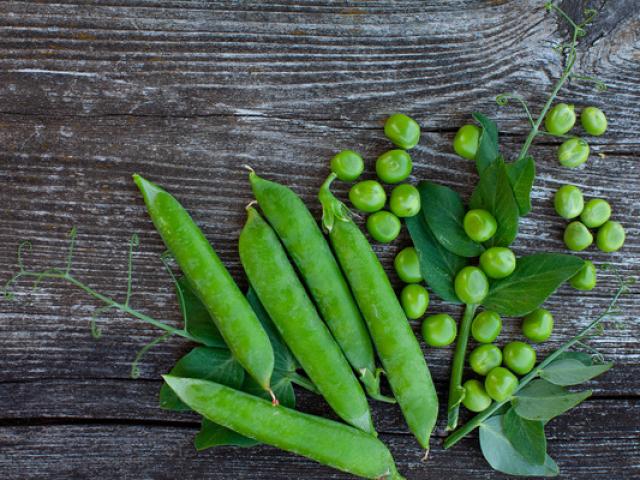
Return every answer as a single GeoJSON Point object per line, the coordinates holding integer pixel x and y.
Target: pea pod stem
{"type": "Point", "coordinates": [476, 421]}
{"type": "Point", "coordinates": [456, 392]}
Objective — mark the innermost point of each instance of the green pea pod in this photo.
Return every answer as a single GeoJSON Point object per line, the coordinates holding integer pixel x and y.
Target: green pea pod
{"type": "Point", "coordinates": [308, 248]}
{"type": "Point", "coordinates": [392, 336]}
{"type": "Point", "coordinates": [284, 298]}
{"type": "Point", "coordinates": [330, 443]}
{"type": "Point", "coordinates": [212, 283]}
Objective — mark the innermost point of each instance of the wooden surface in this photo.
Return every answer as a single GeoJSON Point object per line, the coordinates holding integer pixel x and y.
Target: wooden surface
{"type": "Point", "coordinates": [186, 93]}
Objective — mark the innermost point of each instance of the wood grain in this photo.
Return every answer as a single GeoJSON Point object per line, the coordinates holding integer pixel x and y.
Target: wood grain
{"type": "Point", "coordinates": [188, 92]}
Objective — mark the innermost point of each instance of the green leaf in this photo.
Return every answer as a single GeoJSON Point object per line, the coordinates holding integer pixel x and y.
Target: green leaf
{"type": "Point", "coordinates": [502, 456]}
{"type": "Point", "coordinates": [198, 322]}
{"type": "Point", "coordinates": [204, 363]}
{"type": "Point", "coordinates": [439, 266]}
{"type": "Point", "coordinates": [526, 436]}
{"type": "Point", "coordinates": [534, 279]}
{"type": "Point", "coordinates": [521, 175]}
{"type": "Point", "coordinates": [213, 435]}
{"type": "Point", "coordinates": [487, 144]}
{"type": "Point", "coordinates": [444, 211]}
{"type": "Point", "coordinates": [494, 194]}
{"type": "Point", "coordinates": [541, 400]}
{"type": "Point", "coordinates": [582, 357]}
{"type": "Point", "coordinates": [569, 371]}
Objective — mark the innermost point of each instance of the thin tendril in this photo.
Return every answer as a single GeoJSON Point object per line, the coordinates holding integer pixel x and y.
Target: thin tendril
{"type": "Point", "coordinates": [503, 100]}
{"type": "Point", "coordinates": [134, 241]}
{"type": "Point", "coordinates": [49, 273]}
{"type": "Point", "coordinates": [96, 332]}
{"type": "Point", "coordinates": [72, 242]}
{"type": "Point", "coordinates": [600, 85]}
{"type": "Point", "coordinates": [135, 370]}
{"type": "Point", "coordinates": [183, 310]}
{"type": "Point", "coordinates": [24, 244]}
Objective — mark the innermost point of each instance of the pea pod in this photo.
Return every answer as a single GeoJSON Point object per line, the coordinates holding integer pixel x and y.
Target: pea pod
{"type": "Point", "coordinates": [308, 248]}
{"type": "Point", "coordinates": [330, 443]}
{"type": "Point", "coordinates": [392, 336]}
{"type": "Point", "coordinates": [212, 283]}
{"type": "Point", "coordinates": [287, 303]}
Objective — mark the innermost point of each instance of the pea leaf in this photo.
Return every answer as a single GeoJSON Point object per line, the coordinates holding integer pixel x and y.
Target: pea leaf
{"type": "Point", "coordinates": [444, 211]}
{"type": "Point", "coordinates": [582, 357]}
{"type": "Point", "coordinates": [206, 363]}
{"type": "Point", "coordinates": [502, 455]}
{"type": "Point", "coordinates": [439, 266]}
{"type": "Point", "coordinates": [495, 195]}
{"type": "Point", "coordinates": [541, 400]}
{"type": "Point", "coordinates": [534, 279]}
{"type": "Point", "coordinates": [198, 322]}
{"type": "Point", "coordinates": [570, 371]}
{"type": "Point", "coordinates": [521, 174]}
{"type": "Point", "coordinates": [487, 143]}
{"type": "Point", "coordinates": [526, 436]}
{"type": "Point", "coordinates": [213, 435]}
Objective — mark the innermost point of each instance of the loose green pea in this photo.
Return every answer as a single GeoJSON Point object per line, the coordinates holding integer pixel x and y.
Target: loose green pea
{"type": "Point", "coordinates": [465, 143]}
{"type": "Point", "coordinates": [500, 384]}
{"type": "Point", "coordinates": [593, 121]}
{"type": "Point", "coordinates": [596, 212]}
{"type": "Point", "coordinates": [577, 237]}
{"type": "Point", "coordinates": [485, 358]}
{"type": "Point", "coordinates": [414, 299]}
{"type": "Point", "coordinates": [573, 153]}
{"type": "Point", "coordinates": [486, 327]}
{"type": "Point", "coordinates": [405, 200]}
{"type": "Point", "coordinates": [568, 201]}
{"type": "Point", "coordinates": [383, 226]}
{"type": "Point", "coordinates": [519, 357]}
{"type": "Point", "coordinates": [475, 398]}
{"type": "Point", "coordinates": [347, 165]}
{"type": "Point", "coordinates": [479, 225]}
{"type": "Point", "coordinates": [560, 119]}
{"type": "Point", "coordinates": [498, 262]}
{"type": "Point", "coordinates": [471, 285]}
{"type": "Point", "coordinates": [407, 265]}
{"type": "Point", "coordinates": [585, 279]}
{"type": "Point", "coordinates": [402, 130]}
{"type": "Point", "coordinates": [538, 325]}
{"type": "Point", "coordinates": [394, 166]}
{"type": "Point", "coordinates": [439, 330]}
{"type": "Point", "coordinates": [368, 196]}
{"type": "Point", "coordinates": [610, 237]}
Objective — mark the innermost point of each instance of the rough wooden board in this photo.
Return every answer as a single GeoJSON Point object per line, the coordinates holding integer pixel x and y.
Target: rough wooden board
{"type": "Point", "coordinates": [186, 92]}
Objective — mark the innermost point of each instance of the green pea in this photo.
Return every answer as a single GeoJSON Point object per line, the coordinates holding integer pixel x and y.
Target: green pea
{"type": "Point", "coordinates": [485, 358]}
{"type": "Point", "coordinates": [568, 201]}
{"type": "Point", "coordinates": [383, 226]}
{"type": "Point", "coordinates": [402, 130]}
{"type": "Point", "coordinates": [465, 143]}
{"type": "Point", "coordinates": [479, 225]}
{"type": "Point", "coordinates": [560, 119]}
{"type": "Point", "coordinates": [519, 357]}
{"type": "Point", "coordinates": [593, 121]}
{"type": "Point", "coordinates": [471, 285]}
{"type": "Point", "coordinates": [610, 237]}
{"type": "Point", "coordinates": [325, 441]}
{"type": "Point", "coordinates": [368, 196]}
{"type": "Point", "coordinates": [414, 299]}
{"type": "Point", "coordinates": [407, 265]}
{"type": "Point", "coordinates": [486, 327]}
{"type": "Point", "coordinates": [573, 153]}
{"type": "Point", "coordinates": [585, 279]}
{"type": "Point", "coordinates": [347, 165]}
{"type": "Point", "coordinates": [295, 316]}
{"type": "Point", "coordinates": [498, 262]}
{"type": "Point", "coordinates": [500, 384]}
{"type": "Point", "coordinates": [577, 237]}
{"type": "Point", "coordinates": [595, 213]}
{"type": "Point", "coordinates": [210, 280]}
{"type": "Point", "coordinates": [475, 398]}
{"type": "Point", "coordinates": [405, 200]}
{"type": "Point", "coordinates": [538, 325]}
{"type": "Point", "coordinates": [394, 166]}
{"type": "Point", "coordinates": [439, 330]}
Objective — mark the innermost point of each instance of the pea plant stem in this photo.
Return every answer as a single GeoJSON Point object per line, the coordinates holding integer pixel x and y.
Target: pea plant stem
{"type": "Point", "coordinates": [455, 382]}
{"type": "Point", "coordinates": [476, 421]}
